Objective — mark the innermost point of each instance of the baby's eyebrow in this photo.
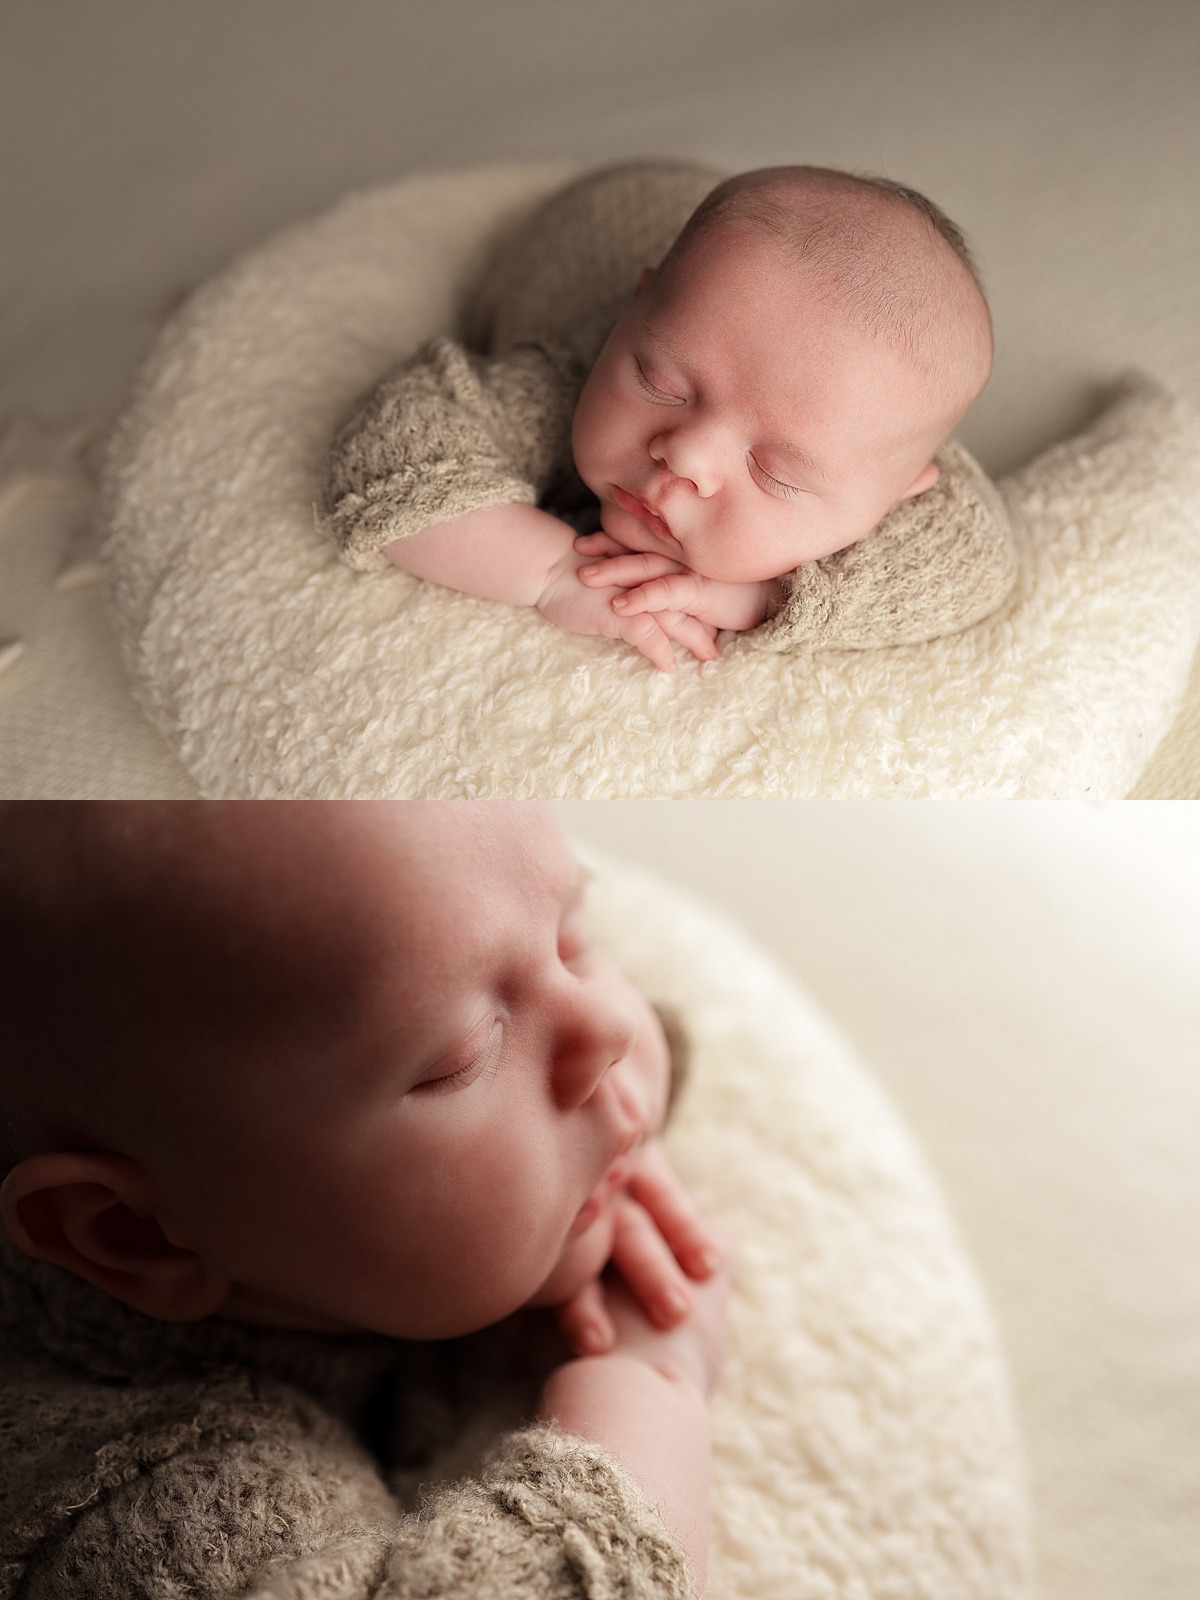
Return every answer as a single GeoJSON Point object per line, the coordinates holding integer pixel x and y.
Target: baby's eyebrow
{"type": "Point", "coordinates": [661, 342]}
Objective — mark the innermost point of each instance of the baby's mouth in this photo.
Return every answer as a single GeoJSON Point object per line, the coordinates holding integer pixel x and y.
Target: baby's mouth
{"type": "Point", "coordinates": [638, 508]}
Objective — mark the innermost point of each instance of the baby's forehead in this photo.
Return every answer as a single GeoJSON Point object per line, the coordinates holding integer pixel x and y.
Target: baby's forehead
{"type": "Point", "coordinates": [215, 962]}
{"type": "Point", "coordinates": [906, 309]}
{"type": "Point", "coordinates": [271, 896]}
{"type": "Point", "coordinates": [140, 926]}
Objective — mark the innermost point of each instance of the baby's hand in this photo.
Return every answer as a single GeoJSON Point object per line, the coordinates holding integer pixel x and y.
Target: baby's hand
{"type": "Point", "coordinates": [654, 583]}
{"type": "Point", "coordinates": [569, 604]}
{"type": "Point", "coordinates": [697, 1342]}
{"type": "Point", "coordinates": [660, 1241]}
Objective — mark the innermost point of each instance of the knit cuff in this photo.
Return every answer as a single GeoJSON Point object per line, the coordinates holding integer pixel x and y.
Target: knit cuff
{"type": "Point", "coordinates": [412, 499]}
{"type": "Point", "coordinates": [550, 1515]}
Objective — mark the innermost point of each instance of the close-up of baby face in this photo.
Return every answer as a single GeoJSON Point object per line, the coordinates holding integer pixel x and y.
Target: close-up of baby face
{"type": "Point", "coordinates": [739, 422]}
{"type": "Point", "coordinates": [460, 1156]}
{"type": "Point", "coordinates": [404, 1080]}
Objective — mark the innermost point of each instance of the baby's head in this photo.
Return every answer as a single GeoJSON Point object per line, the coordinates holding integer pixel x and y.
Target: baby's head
{"type": "Point", "coordinates": [786, 375]}
{"type": "Point", "coordinates": [341, 1065]}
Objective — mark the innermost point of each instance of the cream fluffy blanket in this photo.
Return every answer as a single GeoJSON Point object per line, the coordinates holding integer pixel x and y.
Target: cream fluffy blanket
{"type": "Point", "coordinates": [272, 671]}
{"type": "Point", "coordinates": [864, 1439]}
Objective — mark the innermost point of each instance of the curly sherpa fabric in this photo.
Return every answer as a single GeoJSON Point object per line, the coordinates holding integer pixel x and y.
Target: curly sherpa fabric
{"type": "Point", "coordinates": [272, 669]}
{"type": "Point", "coordinates": [864, 1442]}
{"type": "Point", "coordinates": [453, 432]}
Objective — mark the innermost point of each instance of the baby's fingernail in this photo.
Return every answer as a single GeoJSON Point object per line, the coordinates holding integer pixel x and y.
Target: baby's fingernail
{"type": "Point", "coordinates": [588, 572]}
{"type": "Point", "coordinates": [675, 1302]}
{"type": "Point", "coordinates": [592, 1341]}
{"type": "Point", "coordinates": [710, 1258]}
{"type": "Point", "coordinates": [621, 602]}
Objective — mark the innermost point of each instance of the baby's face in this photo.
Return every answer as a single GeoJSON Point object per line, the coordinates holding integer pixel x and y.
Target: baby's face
{"type": "Point", "coordinates": [455, 1155]}
{"type": "Point", "coordinates": [737, 421]}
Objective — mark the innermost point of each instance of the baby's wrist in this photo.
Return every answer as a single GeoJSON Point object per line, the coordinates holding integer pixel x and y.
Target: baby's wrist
{"type": "Point", "coordinates": [560, 577]}
{"type": "Point", "coordinates": [656, 1428]}
{"type": "Point", "coordinates": [590, 1380]}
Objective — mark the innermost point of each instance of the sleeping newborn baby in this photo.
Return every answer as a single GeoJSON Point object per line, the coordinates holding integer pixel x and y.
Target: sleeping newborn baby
{"type": "Point", "coordinates": [285, 1088]}
{"type": "Point", "coordinates": [759, 423]}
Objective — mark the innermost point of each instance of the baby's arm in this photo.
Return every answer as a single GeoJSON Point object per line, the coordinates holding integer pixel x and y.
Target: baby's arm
{"type": "Point", "coordinates": [524, 556]}
{"type": "Point", "coordinates": [506, 552]}
{"type": "Point", "coordinates": [646, 1403]}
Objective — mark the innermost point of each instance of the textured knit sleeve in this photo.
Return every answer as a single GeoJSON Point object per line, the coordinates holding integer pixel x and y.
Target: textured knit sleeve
{"type": "Point", "coordinates": [447, 433]}
{"type": "Point", "coordinates": [936, 564]}
{"type": "Point", "coordinates": [232, 1500]}
{"type": "Point", "coordinates": [275, 1500]}
{"type": "Point", "coordinates": [550, 1518]}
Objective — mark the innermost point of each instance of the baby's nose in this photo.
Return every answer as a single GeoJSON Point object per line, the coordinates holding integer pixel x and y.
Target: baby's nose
{"type": "Point", "coordinates": [594, 1038]}
{"type": "Point", "coordinates": [686, 460]}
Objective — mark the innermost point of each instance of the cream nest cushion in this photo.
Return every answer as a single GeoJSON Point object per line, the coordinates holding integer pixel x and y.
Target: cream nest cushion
{"type": "Point", "coordinates": [275, 671]}
{"type": "Point", "coordinates": [864, 1437]}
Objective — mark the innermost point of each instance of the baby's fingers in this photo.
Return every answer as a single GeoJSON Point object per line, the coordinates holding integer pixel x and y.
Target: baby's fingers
{"type": "Point", "coordinates": [644, 634]}
{"type": "Point", "coordinates": [655, 1186]}
{"type": "Point", "coordinates": [585, 1321]}
{"type": "Point", "coordinates": [677, 592]}
{"type": "Point", "coordinates": [599, 544]}
{"type": "Point", "coordinates": [643, 1258]}
{"type": "Point", "coordinates": [626, 569]}
{"type": "Point", "coordinates": [698, 637]}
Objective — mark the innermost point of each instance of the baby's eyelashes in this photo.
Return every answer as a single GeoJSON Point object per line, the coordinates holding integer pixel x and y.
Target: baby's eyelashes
{"type": "Point", "coordinates": [482, 1064]}
{"type": "Point", "coordinates": [663, 396]}
{"type": "Point", "coordinates": [776, 486]}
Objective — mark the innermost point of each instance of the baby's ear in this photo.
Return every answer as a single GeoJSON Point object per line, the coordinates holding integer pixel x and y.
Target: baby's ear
{"type": "Point", "coordinates": [925, 479]}
{"type": "Point", "coordinates": [92, 1214]}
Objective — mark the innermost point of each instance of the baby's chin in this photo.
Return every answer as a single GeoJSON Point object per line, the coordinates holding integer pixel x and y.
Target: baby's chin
{"type": "Point", "coordinates": [583, 1258]}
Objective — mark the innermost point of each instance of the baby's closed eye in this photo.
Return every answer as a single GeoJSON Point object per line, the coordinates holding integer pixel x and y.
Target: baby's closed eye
{"type": "Point", "coordinates": [773, 485]}
{"type": "Point", "coordinates": [663, 396]}
{"type": "Point", "coordinates": [483, 1062]}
